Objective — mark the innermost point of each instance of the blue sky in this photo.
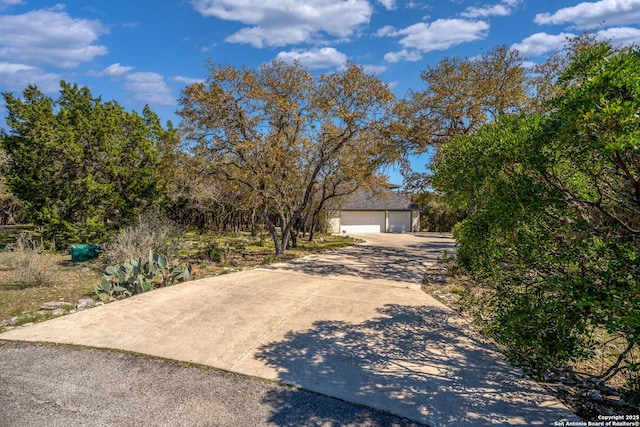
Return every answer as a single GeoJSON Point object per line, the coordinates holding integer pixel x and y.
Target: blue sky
{"type": "Point", "coordinates": [144, 52]}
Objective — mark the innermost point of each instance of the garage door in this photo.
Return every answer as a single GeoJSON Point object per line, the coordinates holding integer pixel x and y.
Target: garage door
{"type": "Point", "coordinates": [399, 222]}
{"type": "Point", "coordinates": [362, 222]}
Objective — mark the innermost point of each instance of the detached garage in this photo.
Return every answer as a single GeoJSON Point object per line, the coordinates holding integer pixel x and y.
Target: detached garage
{"type": "Point", "coordinates": [375, 212]}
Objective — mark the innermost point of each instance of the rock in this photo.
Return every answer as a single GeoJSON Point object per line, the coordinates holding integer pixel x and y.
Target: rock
{"type": "Point", "coordinates": [616, 401]}
{"type": "Point", "coordinates": [559, 387]}
{"type": "Point", "coordinates": [84, 303]}
{"type": "Point", "coordinates": [51, 305]}
{"type": "Point", "coordinates": [594, 396]}
{"type": "Point", "coordinates": [99, 304]}
{"type": "Point", "coordinates": [59, 311]}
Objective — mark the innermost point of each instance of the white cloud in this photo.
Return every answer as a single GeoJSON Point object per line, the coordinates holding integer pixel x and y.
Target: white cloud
{"type": "Point", "coordinates": [374, 69]}
{"type": "Point", "coordinates": [270, 36]}
{"type": "Point", "coordinates": [485, 11]}
{"type": "Point", "coordinates": [542, 43]}
{"type": "Point", "coordinates": [187, 80]}
{"type": "Point", "coordinates": [282, 22]}
{"type": "Point", "coordinates": [621, 35]}
{"type": "Point", "coordinates": [16, 77]}
{"type": "Point", "coordinates": [403, 55]}
{"type": "Point", "coordinates": [385, 31]}
{"type": "Point", "coordinates": [149, 88]}
{"type": "Point", "coordinates": [316, 58]}
{"type": "Point", "coordinates": [589, 15]}
{"type": "Point", "coordinates": [6, 3]}
{"type": "Point", "coordinates": [49, 37]}
{"type": "Point", "coordinates": [388, 4]}
{"type": "Point", "coordinates": [438, 35]}
{"type": "Point", "coordinates": [115, 70]}
{"type": "Point", "coordinates": [504, 8]}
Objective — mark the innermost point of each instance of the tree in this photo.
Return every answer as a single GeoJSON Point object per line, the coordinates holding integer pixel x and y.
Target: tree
{"type": "Point", "coordinates": [436, 214]}
{"type": "Point", "coordinates": [461, 95]}
{"type": "Point", "coordinates": [281, 132]}
{"type": "Point", "coordinates": [11, 208]}
{"type": "Point", "coordinates": [200, 199]}
{"type": "Point", "coordinates": [83, 167]}
{"type": "Point", "coordinates": [556, 225]}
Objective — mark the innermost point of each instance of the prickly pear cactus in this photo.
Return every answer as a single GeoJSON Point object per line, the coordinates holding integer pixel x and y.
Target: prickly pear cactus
{"type": "Point", "coordinates": [134, 276]}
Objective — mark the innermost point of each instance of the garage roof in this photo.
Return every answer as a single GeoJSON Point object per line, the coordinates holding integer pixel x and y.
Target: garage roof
{"type": "Point", "coordinates": [375, 200]}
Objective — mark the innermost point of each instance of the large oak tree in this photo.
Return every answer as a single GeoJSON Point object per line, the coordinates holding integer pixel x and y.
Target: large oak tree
{"type": "Point", "coordinates": [282, 133]}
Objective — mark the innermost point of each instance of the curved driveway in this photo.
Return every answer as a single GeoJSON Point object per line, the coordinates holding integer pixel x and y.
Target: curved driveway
{"type": "Point", "coordinates": [351, 324]}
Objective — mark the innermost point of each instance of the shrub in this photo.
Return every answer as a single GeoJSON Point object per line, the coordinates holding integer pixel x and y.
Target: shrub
{"type": "Point", "coordinates": [153, 232]}
{"type": "Point", "coordinates": [31, 266]}
{"type": "Point", "coordinates": [215, 252]}
{"type": "Point", "coordinates": [270, 259]}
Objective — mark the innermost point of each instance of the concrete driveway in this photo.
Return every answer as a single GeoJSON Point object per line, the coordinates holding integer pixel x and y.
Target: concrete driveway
{"type": "Point", "coordinates": [350, 324]}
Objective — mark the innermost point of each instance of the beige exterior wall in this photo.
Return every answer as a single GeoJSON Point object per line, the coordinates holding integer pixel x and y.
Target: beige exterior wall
{"type": "Point", "coordinates": [334, 223]}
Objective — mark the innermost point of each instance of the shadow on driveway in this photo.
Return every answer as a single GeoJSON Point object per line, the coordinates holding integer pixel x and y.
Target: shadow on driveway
{"type": "Point", "coordinates": [399, 264]}
{"type": "Point", "coordinates": [419, 362]}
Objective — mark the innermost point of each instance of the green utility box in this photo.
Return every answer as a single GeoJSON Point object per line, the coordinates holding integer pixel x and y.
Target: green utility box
{"type": "Point", "coordinates": [84, 252]}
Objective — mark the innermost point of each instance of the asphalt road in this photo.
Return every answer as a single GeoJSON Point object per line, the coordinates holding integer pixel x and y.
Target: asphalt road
{"type": "Point", "coordinates": [53, 385]}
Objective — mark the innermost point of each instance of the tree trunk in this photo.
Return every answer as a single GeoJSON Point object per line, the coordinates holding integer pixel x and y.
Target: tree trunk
{"type": "Point", "coordinates": [272, 231]}
{"type": "Point", "coordinates": [312, 230]}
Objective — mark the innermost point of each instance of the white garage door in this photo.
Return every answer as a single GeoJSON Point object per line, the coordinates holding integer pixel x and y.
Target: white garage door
{"type": "Point", "coordinates": [399, 222]}
{"type": "Point", "coordinates": [362, 222]}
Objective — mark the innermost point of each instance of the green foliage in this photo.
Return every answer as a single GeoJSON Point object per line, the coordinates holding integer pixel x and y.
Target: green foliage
{"type": "Point", "coordinates": [632, 385]}
{"type": "Point", "coordinates": [135, 276]}
{"type": "Point", "coordinates": [215, 252]}
{"type": "Point", "coordinates": [81, 166]}
{"type": "Point", "coordinates": [435, 213]}
{"type": "Point", "coordinates": [11, 208]}
{"type": "Point", "coordinates": [270, 259]}
{"type": "Point", "coordinates": [554, 203]}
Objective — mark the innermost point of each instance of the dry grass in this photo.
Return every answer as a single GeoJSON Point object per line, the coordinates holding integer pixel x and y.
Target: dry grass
{"type": "Point", "coordinates": [72, 282]}
{"type": "Point", "coordinates": [29, 264]}
{"type": "Point", "coordinates": [152, 232]}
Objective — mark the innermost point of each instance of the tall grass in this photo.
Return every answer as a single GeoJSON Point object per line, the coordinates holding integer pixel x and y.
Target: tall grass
{"type": "Point", "coordinates": [28, 264]}
{"type": "Point", "coordinates": [152, 232]}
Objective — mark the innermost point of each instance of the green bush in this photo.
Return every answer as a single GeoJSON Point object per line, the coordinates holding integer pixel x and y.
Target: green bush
{"type": "Point", "coordinates": [215, 252]}
{"type": "Point", "coordinates": [553, 217]}
{"type": "Point", "coordinates": [632, 386]}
